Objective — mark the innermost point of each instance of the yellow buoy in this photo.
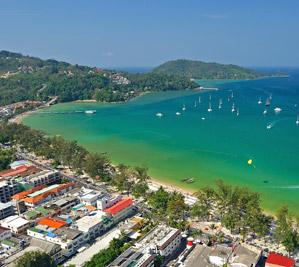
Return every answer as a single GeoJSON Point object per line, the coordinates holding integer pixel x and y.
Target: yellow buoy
{"type": "Point", "coordinates": [249, 162]}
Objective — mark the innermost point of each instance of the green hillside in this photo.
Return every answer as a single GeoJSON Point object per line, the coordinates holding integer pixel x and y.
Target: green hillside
{"type": "Point", "coordinates": [30, 78]}
{"type": "Point", "coordinates": [202, 70]}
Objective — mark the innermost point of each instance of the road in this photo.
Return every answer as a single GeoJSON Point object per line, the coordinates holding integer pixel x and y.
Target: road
{"type": "Point", "coordinates": [101, 243]}
{"type": "Point", "coordinates": [47, 167]}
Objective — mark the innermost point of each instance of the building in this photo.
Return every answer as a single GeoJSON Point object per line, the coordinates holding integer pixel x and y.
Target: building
{"type": "Point", "coordinates": [16, 224]}
{"type": "Point", "coordinates": [134, 258]}
{"type": "Point", "coordinates": [52, 249]}
{"type": "Point", "coordinates": [70, 240]}
{"type": "Point", "coordinates": [277, 260]}
{"type": "Point", "coordinates": [7, 190]}
{"type": "Point", "coordinates": [94, 224]}
{"type": "Point", "coordinates": [64, 204]}
{"type": "Point", "coordinates": [121, 209]}
{"type": "Point", "coordinates": [162, 240]}
{"type": "Point", "coordinates": [108, 201]}
{"type": "Point", "coordinates": [5, 233]}
{"type": "Point", "coordinates": [90, 197]}
{"type": "Point", "coordinates": [43, 178]}
{"type": "Point", "coordinates": [6, 209]}
{"type": "Point", "coordinates": [46, 194]}
{"type": "Point", "coordinates": [203, 256]}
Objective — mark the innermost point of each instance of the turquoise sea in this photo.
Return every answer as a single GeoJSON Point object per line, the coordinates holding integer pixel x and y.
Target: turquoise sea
{"type": "Point", "coordinates": [174, 147]}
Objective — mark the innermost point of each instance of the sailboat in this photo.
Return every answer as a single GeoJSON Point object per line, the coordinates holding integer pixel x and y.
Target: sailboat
{"type": "Point", "coordinates": [267, 104]}
{"type": "Point", "coordinates": [238, 112]}
{"type": "Point", "coordinates": [199, 100]}
{"type": "Point", "coordinates": [195, 104]}
{"type": "Point", "coordinates": [210, 107]}
{"type": "Point", "coordinates": [260, 101]}
{"type": "Point", "coordinates": [183, 108]}
{"type": "Point", "coordinates": [233, 107]}
{"type": "Point", "coordinates": [228, 99]}
{"type": "Point", "coordinates": [232, 96]}
{"type": "Point", "coordinates": [270, 97]}
{"type": "Point", "coordinates": [297, 121]}
{"type": "Point", "coordinates": [220, 103]}
{"type": "Point", "coordinates": [265, 111]}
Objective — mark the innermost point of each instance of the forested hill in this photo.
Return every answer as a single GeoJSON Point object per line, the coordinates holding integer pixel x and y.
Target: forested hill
{"type": "Point", "coordinates": [30, 78]}
{"type": "Point", "coordinates": [202, 70]}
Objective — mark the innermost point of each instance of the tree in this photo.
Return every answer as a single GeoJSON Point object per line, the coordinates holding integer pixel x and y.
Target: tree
{"type": "Point", "coordinates": [35, 259]}
{"type": "Point", "coordinates": [6, 157]}
{"type": "Point", "coordinates": [122, 180]}
{"type": "Point", "coordinates": [95, 165]}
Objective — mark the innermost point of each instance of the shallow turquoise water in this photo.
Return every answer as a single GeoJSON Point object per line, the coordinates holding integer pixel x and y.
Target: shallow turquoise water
{"type": "Point", "coordinates": [174, 147]}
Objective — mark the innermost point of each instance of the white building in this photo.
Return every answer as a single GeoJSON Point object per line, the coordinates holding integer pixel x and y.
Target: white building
{"type": "Point", "coordinates": [43, 178]}
{"type": "Point", "coordinates": [94, 224]}
{"type": "Point", "coordinates": [6, 209]}
{"type": "Point", "coordinates": [5, 233]}
{"type": "Point", "coordinates": [16, 224]}
{"type": "Point", "coordinates": [90, 197]}
{"type": "Point", "coordinates": [108, 201]}
{"type": "Point", "coordinates": [7, 190]}
{"type": "Point", "coordinates": [163, 240]}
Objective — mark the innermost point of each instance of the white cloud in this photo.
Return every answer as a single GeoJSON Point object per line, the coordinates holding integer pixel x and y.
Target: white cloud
{"type": "Point", "coordinates": [108, 54]}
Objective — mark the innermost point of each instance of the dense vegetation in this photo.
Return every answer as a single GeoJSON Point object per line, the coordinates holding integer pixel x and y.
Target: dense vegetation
{"type": "Point", "coordinates": [106, 256]}
{"type": "Point", "coordinates": [6, 157]}
{"type": "Point", "coordinates": [35, 259]}
{"type": "Point", "coordinates": [30, 78]}
{"type": "Point", "coordinates": [202, 70]}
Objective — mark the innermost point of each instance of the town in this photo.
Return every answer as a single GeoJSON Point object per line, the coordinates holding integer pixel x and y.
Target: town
{"type": "Point", "coordinates": [74, 218]}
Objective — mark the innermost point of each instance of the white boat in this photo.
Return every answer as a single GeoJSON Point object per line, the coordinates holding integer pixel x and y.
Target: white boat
{"type": "Point", "coordinates": [220, 103]}
{"type": "Point", "coordinates": [210, 97]}
{"type": "Point", "coordinates": [199, 100]}
{"type": "Point", "coordinates": [178, 113]}
{"type": "Point", "coordinates": [277, 110]}
{"type": "Point", "coordinates": [260, 101]}
{"type": "Point", "coordinates": [238, 113]}
{"type": "Point", "coordinates": [90, 111]}
{"type": "Point", "coordinates": [228, 99]}
{"type": "Point", "coordinates": [203, 118]}
{"type": "Point", "coordinates": [233, 108]}
{"type": "Point", "coordinates": [184, 108]}
{"type": "Point", "coordinates": [269, 126]}
{"type": "Point", "coordinates": [195, 104]}
{"type": "Point", "coordinates": [270, 97]}
{"type": "Point", "coordinates": [265, 111]}
{"type": "Point", "coordinates": [232, 96]}
{"type": "Point", "coordinates": [210, 107]}
{"type": "Point", "coordinates": [159, 114]}
{"type": "Point", "coordinates": [297, 121]}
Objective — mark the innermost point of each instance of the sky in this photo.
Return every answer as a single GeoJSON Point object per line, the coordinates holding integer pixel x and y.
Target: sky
{"type": "Point", "coordinates": [131, 33]}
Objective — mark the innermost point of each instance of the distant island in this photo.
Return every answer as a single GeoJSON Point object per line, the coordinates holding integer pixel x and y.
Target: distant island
{"type": "Point", "coordinates": [202, 70]}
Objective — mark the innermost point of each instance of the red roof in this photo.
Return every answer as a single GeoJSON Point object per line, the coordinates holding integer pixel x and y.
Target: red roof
{"type": "Point", "coordinates": [14, 172]}
{"type": "Point", "coordinates": [24, 194]}
{"type": "Point", "coordinates": [119, 206]}
{"type": "Point", "coordinates": [279, 260]}
{"type": "Point", "coordinates": [53, 223]}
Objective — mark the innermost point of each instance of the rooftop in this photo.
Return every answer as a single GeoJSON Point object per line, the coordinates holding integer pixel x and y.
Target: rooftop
{"type": "Point", "coordinates": [53, 223]}
{"type": "Point", "coordinates": [69, 233]}
{"type": "Point", "coordinates": [279, 260]}
{"type": "Point", "coordinates": [5, 205]}
{"type": "Point", "coordinates": [90, 220]}
{"type": "Point", "coordinates": [119, 206]}
{"type": "Point", "coordinates": [14, 221]}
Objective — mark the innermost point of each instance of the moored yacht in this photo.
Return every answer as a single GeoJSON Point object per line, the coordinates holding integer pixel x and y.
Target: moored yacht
{"type": "Point", "coordinates": [178, 113]}
{"type": "Point", "coordinates": [277, 110]}
{"type": "Point", "coordinates": [233, 108]}
{"type": "Point", "coordinates": [210, 107]}
{"type": "Point", "coordinates": [260, 101]}
{"type": "Point", "coordinates": [297, 121]}
{"type": "Point", "coordinates": [184, 108]}
{"type": "Point", "coordinates": [159, 114]}
{"type": "Point", "coordinates": [90, 111]}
